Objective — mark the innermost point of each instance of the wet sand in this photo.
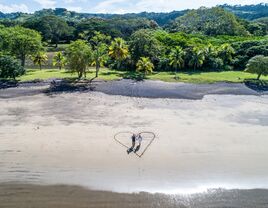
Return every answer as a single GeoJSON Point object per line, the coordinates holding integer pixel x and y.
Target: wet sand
{"type": "Point", "coordinates": [219, 141]}
{"type": "Point", "coordinates": [62, 196]}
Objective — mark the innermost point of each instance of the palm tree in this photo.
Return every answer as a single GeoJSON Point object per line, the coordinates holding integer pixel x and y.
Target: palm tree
{"type": "Point", "coordinates": [212, 61]}
{"type": "Point", "coordinates": [226, 52]}
{"type": "Point", "coordinates": [99, 58]}
{"type": "Point", "coordinates": [59, 60]}
{"type": "Point", "coordinates": [100, 50]}
{"type": "Point", "coordinates": [210, 51]}
{"type": "Point", "coordinates": [176, 58]}
{"type": "Point", "coordinates": [145, 65]}
{"type": "Point", "coordinates": [118, 50]}
{"type": "Point", "coordinates": [40, 58]}
{"type": "Point", "coordinates": [198, 58]}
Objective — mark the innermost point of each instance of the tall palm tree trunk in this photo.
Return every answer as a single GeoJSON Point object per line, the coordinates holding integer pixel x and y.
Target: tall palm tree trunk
{"type": "Point", "coordinates": [176, 72]}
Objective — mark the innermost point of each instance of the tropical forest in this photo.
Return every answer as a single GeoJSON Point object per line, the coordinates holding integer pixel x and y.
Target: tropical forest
{"type": "Point", "coordinates": [222, 43]}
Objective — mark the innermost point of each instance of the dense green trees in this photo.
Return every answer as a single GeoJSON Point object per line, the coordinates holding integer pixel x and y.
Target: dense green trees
{"type": "Point", "coordinates": [214, 21]}
{"type": "Point", "coordinates": [264, 23]}
{"type": "Point", "coordinates": [144, 44]}
{"type": "Point", "coordinates": [115, 27]}
{"type": "Point", "coordinates": [258, 65]}
{"type": "Point", "coordinates": [10, 68]}
{"type": "Point", "coordinates": [208, 39]}
{"type": "Point", "coordinates": [248, 49]}
{"type": "Point", "coordinates": [20, 42]}
{"type": "Point", "coordinates": [256, 28]}
{"type": "Point", "coordinates": [79, 56]}
{"type": "Point", "coordinates": [249, 12]}
{"type": "Point", "coordinates": [52, 28]}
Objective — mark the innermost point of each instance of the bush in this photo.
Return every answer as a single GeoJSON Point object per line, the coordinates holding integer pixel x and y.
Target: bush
{"type": "Point", "coordinates": [258, 65]}
{"type": "Point", "coordinates": [217, 63]}
{"type": "Point", "coordinates": [10, 68]}
{"type": "Point", "coordinates": [257, 50]}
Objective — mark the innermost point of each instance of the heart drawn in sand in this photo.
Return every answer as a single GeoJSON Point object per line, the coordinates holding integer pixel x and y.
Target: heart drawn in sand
{"type": "Point", "coordinates": [124, 139]}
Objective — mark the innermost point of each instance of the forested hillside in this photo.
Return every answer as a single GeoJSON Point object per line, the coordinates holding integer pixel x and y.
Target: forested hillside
{"type": "Point", "coordinates": [214, 21]}
{"type": "Point", "coordinates": [205, 39]}
{"type": "Point", "coordinates": [160, 18]}
{"type": "Point", "coordinates": [249, 12]}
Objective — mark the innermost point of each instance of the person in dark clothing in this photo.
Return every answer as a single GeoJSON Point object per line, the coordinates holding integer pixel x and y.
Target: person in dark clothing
{"type": "Point", "coordinates": [133, 139]}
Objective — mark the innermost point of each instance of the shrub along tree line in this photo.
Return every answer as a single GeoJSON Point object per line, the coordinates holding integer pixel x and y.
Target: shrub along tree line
{"type": "Point", "coordinates": [203, 39]}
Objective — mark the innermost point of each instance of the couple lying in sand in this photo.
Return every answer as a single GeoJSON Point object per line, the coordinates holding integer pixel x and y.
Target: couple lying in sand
{"type": "Point", "coordinates": [135, 138]}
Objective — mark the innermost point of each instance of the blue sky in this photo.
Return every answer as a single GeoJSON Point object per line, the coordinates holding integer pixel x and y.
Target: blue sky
{"type": "Point", "coordinates": [114, 6]}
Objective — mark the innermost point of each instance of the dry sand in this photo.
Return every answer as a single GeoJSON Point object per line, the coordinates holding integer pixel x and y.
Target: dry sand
{"type": "Point", "coordinates": [217, 142]}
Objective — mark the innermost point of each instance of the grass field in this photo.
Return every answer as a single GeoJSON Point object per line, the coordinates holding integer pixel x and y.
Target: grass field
{"type": "Point", "coordinates": [106, 74]}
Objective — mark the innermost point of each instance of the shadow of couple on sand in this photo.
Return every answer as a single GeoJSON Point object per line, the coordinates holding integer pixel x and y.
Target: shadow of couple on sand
{"type": "Point", "coordinates": [133, 149]}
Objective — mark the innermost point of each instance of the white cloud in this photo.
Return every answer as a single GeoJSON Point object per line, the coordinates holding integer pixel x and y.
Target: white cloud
{"type": "Point", "coordinates": [74, 1]}
{"type": "Point", "coordinates": [46, 3]}
{"type": "Point", "coordinates": [74, 8]}
{"type": "Point", "coordinates": [13, 8]}
{"type": "Point", "coordinates": [125, 6]}
{"type": "Point", "coordinates": [111, 5]}
{"type": "Point", "coordinates": [171, 5]}
{"type": "Point", "coordinates": [119, 6]}
{"type": "Point", "coordinates": [68, 1]}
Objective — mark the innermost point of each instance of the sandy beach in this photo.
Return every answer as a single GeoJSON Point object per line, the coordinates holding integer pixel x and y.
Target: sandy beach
{"type": "Point", "coordinates": [219, 141]}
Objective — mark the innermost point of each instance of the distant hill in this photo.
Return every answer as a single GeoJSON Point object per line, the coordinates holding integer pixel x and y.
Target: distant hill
{"type": "Point", "coordinates": [249, 12]}
{"type": "Point", "coordinates": [209, 21]}
{"type": "Point", "coordinates": [160, 18]}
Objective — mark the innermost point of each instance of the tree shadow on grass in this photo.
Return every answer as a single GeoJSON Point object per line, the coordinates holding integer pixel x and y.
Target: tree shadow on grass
{"type": "Point", "coordinates": [192, 72]}
{"type": "Point", "coordinates": [111, 73]}
{"type": "Point", "coordinates": [134, 76]}
{"type": "Point", "coordinates": [257, 85]}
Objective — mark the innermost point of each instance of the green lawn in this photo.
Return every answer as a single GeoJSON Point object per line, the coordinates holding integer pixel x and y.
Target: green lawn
{"type": "Point", "coordinates": [36, 74]}
{"type": "Point", "coordinates": [106, 74]}
{"type": "Point", "coordinates": [206, 77]}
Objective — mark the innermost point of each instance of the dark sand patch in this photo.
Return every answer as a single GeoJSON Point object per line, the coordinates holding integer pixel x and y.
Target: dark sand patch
{"type": "Point", "coordinates": [159, 89]}
{"type": "Point", "coordinates": [126, 87]}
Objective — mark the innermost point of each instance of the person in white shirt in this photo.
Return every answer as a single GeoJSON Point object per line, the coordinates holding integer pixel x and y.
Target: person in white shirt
{"type": "Point", "coordinates": [139, 140]}
{"type": "Point", "coordinates": [133, 139]}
